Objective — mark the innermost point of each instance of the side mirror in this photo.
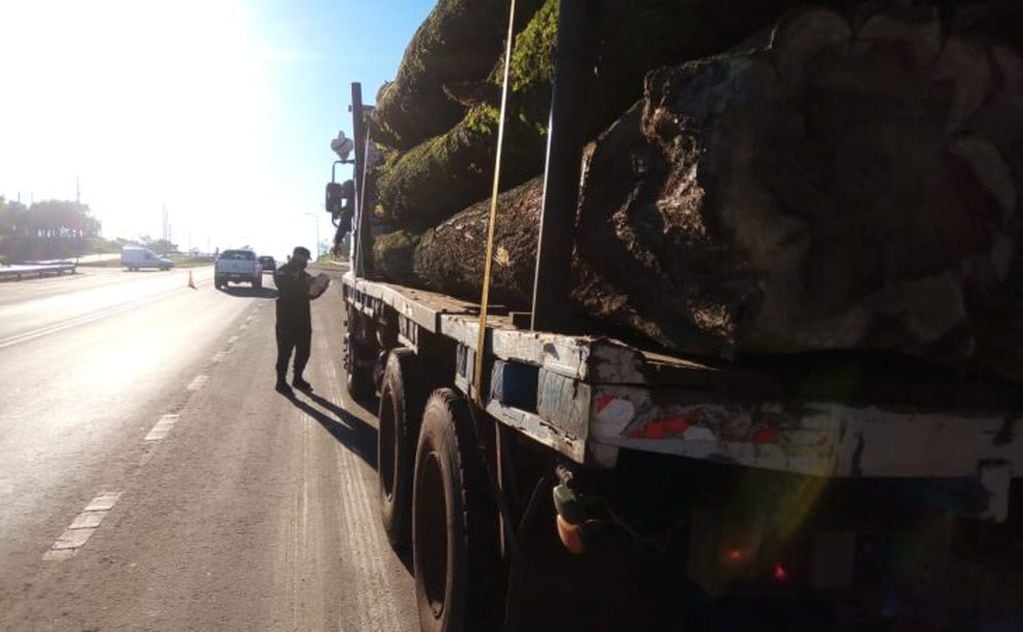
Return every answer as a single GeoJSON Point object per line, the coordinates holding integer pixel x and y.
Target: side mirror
{"type": "Point", "coordinates": [334, 198]}
{"type": "Point", "coordinates": [340, 201]}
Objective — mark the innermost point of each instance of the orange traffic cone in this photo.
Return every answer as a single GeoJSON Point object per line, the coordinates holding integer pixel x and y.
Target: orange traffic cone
{"type": "Point", "coordinates": [191, 282]}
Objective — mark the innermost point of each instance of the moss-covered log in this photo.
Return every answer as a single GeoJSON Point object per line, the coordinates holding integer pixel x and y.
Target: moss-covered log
{"type": "Point", "coordinates": [453, 169]}
{"type": "Point", "coordinates": [457, 42]}
{"type": "Point", "coordinates": [445, 174]}
{"type": "Point", "coordinates": [449, 258]}
{"type": "Point", "coordinates": [392, 256]}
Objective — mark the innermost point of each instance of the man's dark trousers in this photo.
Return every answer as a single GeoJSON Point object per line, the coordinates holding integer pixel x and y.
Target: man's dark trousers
{"type": "Point", "coordinates": [292, 338]}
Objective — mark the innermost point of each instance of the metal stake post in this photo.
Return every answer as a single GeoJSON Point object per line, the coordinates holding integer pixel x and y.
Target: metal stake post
{"type": "Point", "coordinates": [561, 177]}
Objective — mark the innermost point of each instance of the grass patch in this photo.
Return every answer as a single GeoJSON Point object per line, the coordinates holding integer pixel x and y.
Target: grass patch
{"type": "Point", "coordinates": [331, 260]}
{"type": "Point", "coordinates": [189, 261]}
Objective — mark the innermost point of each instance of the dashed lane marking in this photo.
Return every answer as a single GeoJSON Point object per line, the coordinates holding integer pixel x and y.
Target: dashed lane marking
{"type": "Point", "coordinates": [232, 340]}
{"type": "Point", "coordinates": [198, 382]}
{"type": "Point", "coordinates": [82, 527]}
{"type": "Point", "coordinates": [219, 356]}
{"type": "Point", "coordinates": [162, 428]}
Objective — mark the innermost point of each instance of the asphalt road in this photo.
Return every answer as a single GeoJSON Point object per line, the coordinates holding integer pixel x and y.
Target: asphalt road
{"type": "Point", "coordinates": [152, 479]}
{"type": "Point", "coordinates": [142, 413]}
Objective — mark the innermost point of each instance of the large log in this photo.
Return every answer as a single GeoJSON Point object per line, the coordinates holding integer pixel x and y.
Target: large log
{"type": "Point", "coordinates": [457, 42]}
{"type": "Point", "coordinates": [844, 188]}
{"type": "Point", "coordinates": [449, 258]}
{"type": "Point", "coordinates": [835, 193]}
{"type": "Point", "coordinates": [445, 174]}
{"type": "Point", "coordinates": [452, 169]}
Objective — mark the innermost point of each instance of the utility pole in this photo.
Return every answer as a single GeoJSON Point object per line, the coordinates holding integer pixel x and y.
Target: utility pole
{"type": "Point", "coordinates": [78, 190]}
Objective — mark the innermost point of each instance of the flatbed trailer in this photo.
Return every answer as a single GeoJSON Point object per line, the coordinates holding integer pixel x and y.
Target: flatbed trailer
{"type": "Point", "coordinates": [842, 477]}
{"type": "Point", "coordinates": [758, 474]}
{"type": "Point", "coordinates": [588, 397]}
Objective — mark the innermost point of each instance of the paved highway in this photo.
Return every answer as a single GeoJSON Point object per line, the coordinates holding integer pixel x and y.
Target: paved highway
{"type": "Point", "coordinates": [152, 479]}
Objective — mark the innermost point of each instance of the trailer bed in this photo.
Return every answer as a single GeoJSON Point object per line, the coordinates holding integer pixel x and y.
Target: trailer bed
{"type": "Point", "coordinates": [831, 415]}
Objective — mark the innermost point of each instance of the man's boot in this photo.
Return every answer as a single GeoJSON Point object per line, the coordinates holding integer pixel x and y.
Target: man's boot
{"type": "Point", "coordinates": [282, 384]}
{"type": "Point", "coordinates": [301, 384]}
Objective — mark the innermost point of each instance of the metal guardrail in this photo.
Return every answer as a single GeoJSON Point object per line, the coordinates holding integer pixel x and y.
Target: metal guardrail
{"type": "Point", "coordinates": [18, 272]}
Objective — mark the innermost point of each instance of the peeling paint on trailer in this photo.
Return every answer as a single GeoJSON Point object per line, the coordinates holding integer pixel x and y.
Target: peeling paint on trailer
{"type": "Point", "coordinates": [819, 439]}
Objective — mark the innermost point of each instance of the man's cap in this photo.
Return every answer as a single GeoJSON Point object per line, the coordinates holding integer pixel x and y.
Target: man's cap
{"type": "Point", "coordinates": [301, 251]}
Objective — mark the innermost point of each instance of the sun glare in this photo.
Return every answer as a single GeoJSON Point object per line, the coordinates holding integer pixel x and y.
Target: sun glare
{"type": "Point", "coordinates": [149, 103]}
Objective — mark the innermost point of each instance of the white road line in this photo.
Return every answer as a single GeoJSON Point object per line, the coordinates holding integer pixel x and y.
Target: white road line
{"type": "Point", "coordinates": [198, 382]}
{"type": "Point", "coordinates": [82, 527]}
{"type": "Point", "coordinates": [232, 340]}
{"type": "Point", "coordinates": [82, 320]}
{"type": "Point", "coordinates": [244, 327]}
{"type": "Point", "coordinates": [162, 428]}
{"type": "Point", "coordinates": [219, 356]}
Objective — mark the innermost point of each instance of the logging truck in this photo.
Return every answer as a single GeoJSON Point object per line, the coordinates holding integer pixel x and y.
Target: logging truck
{"type": "Point", "coordinates": [832, 475]}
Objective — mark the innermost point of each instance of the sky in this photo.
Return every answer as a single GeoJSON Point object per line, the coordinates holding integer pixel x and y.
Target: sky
{"type": "Point", "coordinates": [221, 111]}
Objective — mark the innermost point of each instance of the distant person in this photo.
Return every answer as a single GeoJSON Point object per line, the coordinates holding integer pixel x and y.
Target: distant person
{"type": "Point", "coordinates": [294, 325]}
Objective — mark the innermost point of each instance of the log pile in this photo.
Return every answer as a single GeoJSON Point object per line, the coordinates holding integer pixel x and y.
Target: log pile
{"type": "Point", "coordinates": [846, 179]}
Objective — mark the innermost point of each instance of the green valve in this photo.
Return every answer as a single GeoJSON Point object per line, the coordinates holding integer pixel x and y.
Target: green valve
{"type": "Point", "coordinates": [568, 504]}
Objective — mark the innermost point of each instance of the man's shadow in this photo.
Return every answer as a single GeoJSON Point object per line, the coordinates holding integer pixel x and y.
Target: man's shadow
{"type": "Point", "coordinates": [349, 430]}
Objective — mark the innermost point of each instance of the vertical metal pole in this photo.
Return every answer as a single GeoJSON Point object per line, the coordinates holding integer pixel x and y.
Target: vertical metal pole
{"type": "Point", "coordinates": [361, 239]}
{"type": "Point", "coordinates": [552, 282]}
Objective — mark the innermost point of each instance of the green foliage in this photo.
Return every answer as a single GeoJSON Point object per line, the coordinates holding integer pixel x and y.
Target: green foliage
{"type": "Point", "coordinates": [49, 229]}
{"type": "Point", "coordinates": [160, 246]}
{"type": "Point", "coordinates": [532, 67]}
{"type": "Point", "coordinates": [483, 119]}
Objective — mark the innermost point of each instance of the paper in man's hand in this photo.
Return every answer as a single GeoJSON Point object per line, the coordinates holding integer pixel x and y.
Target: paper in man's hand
{"type": "Point", "coordinates": [319, 285]}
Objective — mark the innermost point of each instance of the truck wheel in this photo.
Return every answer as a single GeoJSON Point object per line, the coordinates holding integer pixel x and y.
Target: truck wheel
{"type": "Point", "coordinates": [401, 410]}
{"type": "Point", "coordinates": [257, 284]}
{"type": "Point", "coordinates": [460, 576]}
{"type": "Point", "coordinates": [358, 379]}
{"type": "Point", "coordinates": [217, 283]}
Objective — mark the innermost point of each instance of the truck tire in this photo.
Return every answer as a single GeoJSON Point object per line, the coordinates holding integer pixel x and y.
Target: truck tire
{"type": "Point", "coordinates": [358, 377]}
{"type": "Point", "coordinates": [460, 577]}
{"type": "Point", "coordinates": [400, 413]}
{"type": "Point", "coordinates": [257, 284]}
{"type": "Point", "coordinates": [217, 283]}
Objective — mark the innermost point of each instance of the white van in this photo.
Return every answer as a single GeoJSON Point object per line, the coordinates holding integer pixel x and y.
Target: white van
{"type": "Point", "coordinates": [135, 257]}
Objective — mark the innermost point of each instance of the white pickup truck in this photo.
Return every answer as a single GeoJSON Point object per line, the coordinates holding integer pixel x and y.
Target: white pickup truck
{"type": "Point", "coordinates": [237, 266]}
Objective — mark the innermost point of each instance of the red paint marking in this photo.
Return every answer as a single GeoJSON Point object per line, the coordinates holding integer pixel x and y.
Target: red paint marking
{"type": "Point", "coordinates": [661, 428]}
{"type": "Point", "coordinates": [780, 574]}
{"type": "Point", "coordinates": [603, 401]}
{"type": "Point", "coordinates": [766, 434]}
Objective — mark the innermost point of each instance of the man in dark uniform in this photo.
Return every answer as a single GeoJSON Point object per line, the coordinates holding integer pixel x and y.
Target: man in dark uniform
{"type": "Point", "coordinates": [294, 325]}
